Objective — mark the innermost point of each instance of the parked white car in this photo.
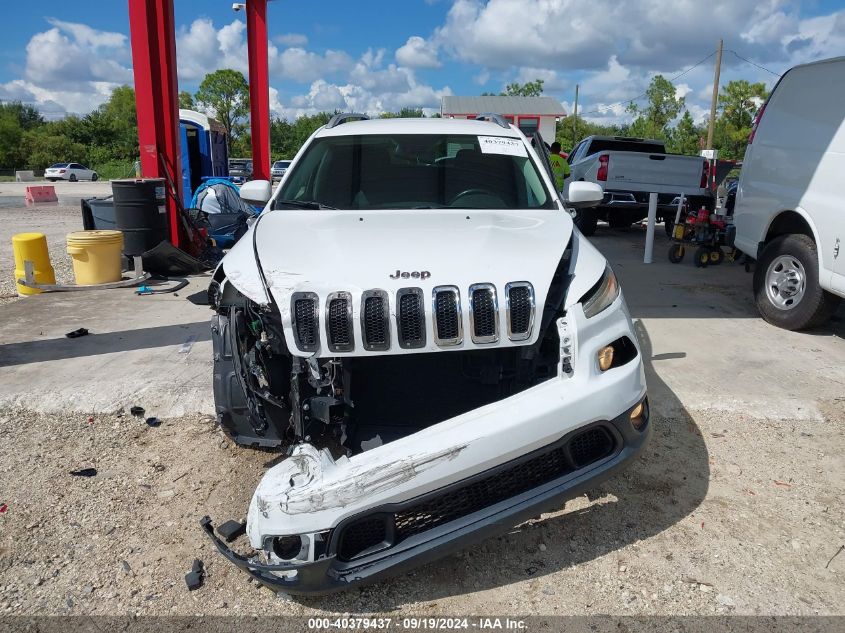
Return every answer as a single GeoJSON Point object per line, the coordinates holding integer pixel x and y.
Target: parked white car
{"type": "Point", "coordinates": [416, 319]}
{"type": "Point", "coordinates": [790, 204]}
{"type": "Point", "coordinates": [69, 171]}
{"type": "Point", "coordinates": [629, 169]}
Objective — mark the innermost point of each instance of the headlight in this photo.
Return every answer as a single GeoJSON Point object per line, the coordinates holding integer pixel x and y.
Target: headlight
{"type": "Point", "coordinates": [602, 294]}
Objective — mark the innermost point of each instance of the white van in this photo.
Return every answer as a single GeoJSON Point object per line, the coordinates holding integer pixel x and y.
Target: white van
{"type": "Point", "coordinates": [790, 206]}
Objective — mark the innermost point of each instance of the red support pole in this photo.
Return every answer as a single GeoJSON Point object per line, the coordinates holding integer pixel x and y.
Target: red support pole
{"type": "Point", "coordinates": [153, 35]}
{"type": "Point", "coordinates": [259, 87]}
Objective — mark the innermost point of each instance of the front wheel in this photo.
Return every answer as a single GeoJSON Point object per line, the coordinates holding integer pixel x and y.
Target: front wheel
{"type": "Point", "coordinates": [676, 253]}
{"type": "Point", "coordinates": [72, 178]}
{"type": "Point", "coordinates": [702, 257]}
{"type": "Point", "coordinates": [586, 221]}
{"type": "Point", "coordinates": [94, 177]}
{"type": "Point", "coordinates": [786, 284]}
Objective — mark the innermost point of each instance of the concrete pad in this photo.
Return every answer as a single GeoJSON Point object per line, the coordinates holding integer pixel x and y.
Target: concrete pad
{"type": "Point", "coordinates": [708, 343]}
{"type": "Point", "coordinates": [151, 351]}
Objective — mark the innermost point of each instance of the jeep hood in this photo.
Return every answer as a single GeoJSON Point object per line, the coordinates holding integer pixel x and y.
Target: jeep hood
{"type": "Point", "coordinates": [353, 251]}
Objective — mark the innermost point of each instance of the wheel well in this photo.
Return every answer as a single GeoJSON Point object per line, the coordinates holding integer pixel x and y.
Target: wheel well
{"type": "Point", "coordinates": [788, 222]}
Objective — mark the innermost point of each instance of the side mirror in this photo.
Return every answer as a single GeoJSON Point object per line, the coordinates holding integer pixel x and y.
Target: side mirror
{"type": "Point", "coordinates": [583, 195]}
{"type": "Point", "coordinates": [256, 191]}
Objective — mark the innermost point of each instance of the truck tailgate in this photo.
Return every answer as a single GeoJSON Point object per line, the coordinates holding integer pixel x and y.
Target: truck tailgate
{"type": "Point", "coordinates": [646, 171]}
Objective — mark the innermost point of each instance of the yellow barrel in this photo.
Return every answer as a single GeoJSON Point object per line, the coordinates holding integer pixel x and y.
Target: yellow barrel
{"type": "Point", "coordinates": [32, 247]}
{"type": "Point", "coordinates": [96, 256]}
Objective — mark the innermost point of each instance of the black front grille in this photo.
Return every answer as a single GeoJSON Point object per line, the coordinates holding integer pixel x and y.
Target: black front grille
{"type": "Point", "coordinates": [484, 313]}
{"type": "Point", "coordinates": [587, 447]}
{"type": "Point", "coordinates": [375, 324]}
{"type": "Point", "coordinates": [447, 316]}
{"type": "Point", "coordinates": [504, 483]}
{"type": "Point", "coordinates": [339, 323]}
{"type": "Point", "coordinates": [306, 323]}
{"type": "Point", "coordinates": [519, 301]}
{"type": "Point", "coordinates": [368, 533]}
{"type": "Point", "coordinates": [411, 318]}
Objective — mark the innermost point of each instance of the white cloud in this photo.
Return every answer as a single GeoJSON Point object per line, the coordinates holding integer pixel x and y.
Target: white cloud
{"type": "Point", "coordinates": [418, 53]}
{"type": "Point", "coordinates": [291, 39]}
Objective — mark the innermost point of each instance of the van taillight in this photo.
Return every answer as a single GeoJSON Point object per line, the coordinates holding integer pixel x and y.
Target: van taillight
{"type": "Point", "coordinates": [755, 123]}
{"type": "Point", "coordinates": [705, 175]}
{"type": "Point", "coordinates": [604, 160]}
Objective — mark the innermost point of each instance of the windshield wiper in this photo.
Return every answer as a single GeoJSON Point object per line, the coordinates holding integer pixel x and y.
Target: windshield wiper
{"type": "Point", "coordinates": [304, 204]}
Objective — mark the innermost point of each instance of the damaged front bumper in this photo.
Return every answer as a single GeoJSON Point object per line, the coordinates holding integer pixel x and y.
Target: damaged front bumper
{"type": "Point", "coordinates": [330, 573]}
{"type": "Point", "coordinates": [418, 498]}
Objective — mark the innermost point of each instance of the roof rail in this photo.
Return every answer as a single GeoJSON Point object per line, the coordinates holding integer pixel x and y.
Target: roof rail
{"type": "Point", "coordinates": [498, 119]}
{"type": "Point", "coordinates": [345, 117]}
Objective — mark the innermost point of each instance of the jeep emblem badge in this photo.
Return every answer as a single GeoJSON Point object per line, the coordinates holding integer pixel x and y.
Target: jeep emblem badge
{"type": "Point", "coordinates": [415, 274]}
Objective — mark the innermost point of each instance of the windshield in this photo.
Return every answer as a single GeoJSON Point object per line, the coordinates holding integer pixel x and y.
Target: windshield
{"type": "Point", "coordinates": [416, 171]}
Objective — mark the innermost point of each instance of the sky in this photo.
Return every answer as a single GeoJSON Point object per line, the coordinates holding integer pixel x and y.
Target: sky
{"type": "Point", "coordinates": [374, 56]}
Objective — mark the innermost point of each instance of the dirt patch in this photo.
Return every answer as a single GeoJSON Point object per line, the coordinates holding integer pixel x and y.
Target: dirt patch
{"type": "Point", "coordinates": [719, 516]}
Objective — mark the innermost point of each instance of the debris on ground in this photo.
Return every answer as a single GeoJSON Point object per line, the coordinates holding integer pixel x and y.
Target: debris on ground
{"type": "Point", "coordinates": [4, 507]}
{"type": "Point", "coordinates": [84, 472]}
{"type": "Point", "coordinates": [77, 333]}
{"type": "Point", "coordinates": [841, 547]}
{"type": "Point", "coordinates": [194, 577]}
{"type": "Point", "coordinates": [153, 422]}
{"type": "Point", "coordinates": [231, 530]}
{"type": "Point", "coordinates": [138, 412]}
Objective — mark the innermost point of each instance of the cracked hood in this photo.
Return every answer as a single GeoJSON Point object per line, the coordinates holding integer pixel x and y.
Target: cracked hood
{"type": "Point", "coordinates": [353, 251]}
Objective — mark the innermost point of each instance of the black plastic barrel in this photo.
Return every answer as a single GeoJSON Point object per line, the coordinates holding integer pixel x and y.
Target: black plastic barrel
{"type": "Point", "coordinates": [140, 211]}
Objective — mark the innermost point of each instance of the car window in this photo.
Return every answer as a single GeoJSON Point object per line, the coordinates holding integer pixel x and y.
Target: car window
{"type": "Point", "coordinates": [58, 166]}
{"type": "Point", "coordinates": [416, 171]}
{"type": "Point", "coordinates": [612, 145]}
{"type": "Point", "coordinates": [76, 166]}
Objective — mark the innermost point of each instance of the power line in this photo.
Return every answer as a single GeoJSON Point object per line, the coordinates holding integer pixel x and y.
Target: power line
{"type": "Point", "coordinates": [605, 108]}
{"type": "Point", "coordinates": [754, 64]}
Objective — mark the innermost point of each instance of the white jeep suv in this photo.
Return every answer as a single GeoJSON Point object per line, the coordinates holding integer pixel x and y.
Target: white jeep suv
{"type": "Point", "coordinates": [443, 355]}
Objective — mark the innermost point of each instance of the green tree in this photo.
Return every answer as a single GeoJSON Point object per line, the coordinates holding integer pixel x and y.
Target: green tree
{"type": "Point", "coordinates": [686, 136]}
{"type": "Point", "coordinates": [186, 101]}
{"type": "Point", "coordinates": [582, 129]}
{"type": "Point", "coordinates": [528, 89]}
{"type": "Point", "coordinates": [43, 147]}
{"type": "Point", "coordinates": [287, 137]}
{"type": "Point", "coordinates": [739, 101]}
{"type": "Point", "coordinates": [663, 107]}
{"type": "Point", "coordinates": [404, 113]}
{"type": "Point", "coordinates": [10, 140]}
{"type": "Point", "coordinates": [226, 93]}
{"type": "Point", "coordinates": [27, 116]}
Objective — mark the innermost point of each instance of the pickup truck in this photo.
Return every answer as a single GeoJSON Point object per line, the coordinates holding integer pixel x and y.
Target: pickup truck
{"type": "Point", "coordinates": [629, 169]}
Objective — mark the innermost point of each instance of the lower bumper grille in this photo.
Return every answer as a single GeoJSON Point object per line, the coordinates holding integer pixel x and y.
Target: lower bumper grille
{"type": "Point", "coordinates": [505, 482]}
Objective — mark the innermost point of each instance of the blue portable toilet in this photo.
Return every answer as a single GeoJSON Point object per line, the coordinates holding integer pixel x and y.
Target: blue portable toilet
{"type": "Point", "coordinates": [204, 151]}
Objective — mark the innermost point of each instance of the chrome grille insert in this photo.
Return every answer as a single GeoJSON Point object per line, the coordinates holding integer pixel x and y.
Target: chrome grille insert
{"type": "Point", "coordinates": [339, 335]}
{"type": "Point", "coordinates": [305, 319]}
{"type": "Point", "coordinates": [410, 318]}
{"type": "Point", "coordinates": [446, 315]}
{"type": "Point", "coordinates": [520, 309]}
{"type": "Point", "coordinates": [375, 320]}
{"type": "Point", "coordinates": [483, 313]}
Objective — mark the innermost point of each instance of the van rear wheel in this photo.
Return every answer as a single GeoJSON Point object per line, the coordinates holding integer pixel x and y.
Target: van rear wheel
{"type": "Point", "coordinates": [786, 284]}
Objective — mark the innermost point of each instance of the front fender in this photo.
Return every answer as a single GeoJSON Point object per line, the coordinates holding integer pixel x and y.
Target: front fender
{"type": "Point", "coordinates": [242, 269]}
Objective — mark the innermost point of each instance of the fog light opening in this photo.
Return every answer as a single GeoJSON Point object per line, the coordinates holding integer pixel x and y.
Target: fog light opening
{"type": "Point", "coordinates": [287, 547]}
{"type": "Point", "coordinates": [605, 357]}
{"type": "Point", "coordinates": [639, 415]}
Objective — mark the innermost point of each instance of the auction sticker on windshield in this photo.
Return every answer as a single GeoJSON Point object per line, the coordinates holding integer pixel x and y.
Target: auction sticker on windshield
{"type": "Point", "coordinates": [501, 145]}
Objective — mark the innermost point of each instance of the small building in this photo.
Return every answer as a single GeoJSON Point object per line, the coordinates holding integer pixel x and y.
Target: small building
{"type": "Point", "coordinates": [529, 114]}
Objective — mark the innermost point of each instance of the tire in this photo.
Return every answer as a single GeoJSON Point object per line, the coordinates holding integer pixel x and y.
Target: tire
{"type": "Point", "coordinates": [717, 256]}
{"type": "Point", "coordinates": [676, 253]}
{"type": "Point", "coordinates": [786, 284]}
{"type": "Point", "coordinates": [72, 178]}
{"type": "Point", "coordinates": [586, 221]}
{"type": "Point", "coordinates": [52, 179]}
{"type": "Point", "coordinates": [702, 257]}
{"type": "Point", "coordinates": [94, 177]}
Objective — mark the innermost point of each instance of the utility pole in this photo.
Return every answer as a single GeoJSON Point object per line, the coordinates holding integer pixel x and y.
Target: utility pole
{"type": "Point", "coordinates": [715, 97]}
{"type": "Point", "coordinates": [575, 120]}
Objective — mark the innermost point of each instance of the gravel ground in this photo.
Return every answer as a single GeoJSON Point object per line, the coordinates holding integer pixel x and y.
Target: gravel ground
{"type": "Point", "coordinates": [739, 517]}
